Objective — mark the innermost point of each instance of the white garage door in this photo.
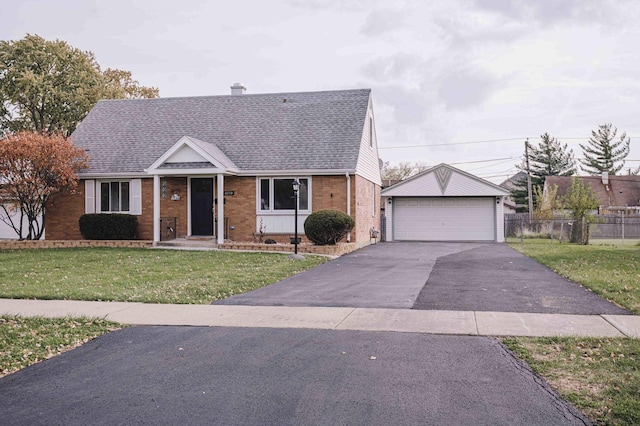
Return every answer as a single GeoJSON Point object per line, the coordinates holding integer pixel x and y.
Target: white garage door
{"type": "Point", "coordinates": [444, 219]}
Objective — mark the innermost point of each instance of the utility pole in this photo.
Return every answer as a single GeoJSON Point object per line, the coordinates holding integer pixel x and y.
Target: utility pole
{"type": "Point", "coordinates": [530, 196]}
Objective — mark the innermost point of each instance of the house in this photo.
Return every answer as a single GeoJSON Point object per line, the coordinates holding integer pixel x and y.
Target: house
{"type": "Point", "coordinates": [444, 204]}
{"type": "Point", "coordinates": [615, 194]}
{"type": "Point", "coordinates": [223, 166]}
{"type": "Point", "coordinates": [510, 206]}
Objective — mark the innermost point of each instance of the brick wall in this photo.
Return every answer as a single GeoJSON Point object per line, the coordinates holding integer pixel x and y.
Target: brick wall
{"type": "Point", "coordinates": [328, 192]}
{"type": "Point", "coordinates": [240, 207]}
{"type": "Point", "coordinates": [169, 207]}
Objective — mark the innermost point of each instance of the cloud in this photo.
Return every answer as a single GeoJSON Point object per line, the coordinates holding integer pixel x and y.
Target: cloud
{"type": "Point", "coordinates": [383, 21]}
{"type": "Point", "coordinates": [462, 89]}
{"type": "Point", "coordinates": [551, 12]}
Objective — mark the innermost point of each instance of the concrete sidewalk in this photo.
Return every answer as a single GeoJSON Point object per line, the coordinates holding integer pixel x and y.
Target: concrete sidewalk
{"type": "Point", "coordinates": [476, 323]}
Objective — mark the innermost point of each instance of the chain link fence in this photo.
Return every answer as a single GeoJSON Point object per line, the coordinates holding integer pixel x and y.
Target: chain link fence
{"type": "Point", "coordinates": [599, 228]}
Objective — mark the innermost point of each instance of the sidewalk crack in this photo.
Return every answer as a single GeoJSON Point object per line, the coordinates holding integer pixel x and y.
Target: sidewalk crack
{"type": "Point", "coordinates": [344, 319]}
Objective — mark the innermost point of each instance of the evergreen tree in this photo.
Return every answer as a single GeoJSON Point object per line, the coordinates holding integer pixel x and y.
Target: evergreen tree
{"type": "Point", "coordinates": [548, 158]}
{"type": "Point", "coordinates": [602, 153]}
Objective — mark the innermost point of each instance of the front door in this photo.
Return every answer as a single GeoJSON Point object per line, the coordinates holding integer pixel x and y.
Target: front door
{"type": "Point", "coordinates": [202, 206]}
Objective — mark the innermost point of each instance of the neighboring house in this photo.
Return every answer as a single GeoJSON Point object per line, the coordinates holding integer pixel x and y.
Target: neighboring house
{"type": "Point", "coordinates": [510, 184]}
{"type": "Point", "coordinates": [197, 159]}
{"type": "Point", "coordinates": [444, 204]}
{"type": "Point", "coordinates": [615, 194]}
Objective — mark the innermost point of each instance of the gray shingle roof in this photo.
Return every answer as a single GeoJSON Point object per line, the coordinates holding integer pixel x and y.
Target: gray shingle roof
{"type": "Point", "coordinates": [269, 132]}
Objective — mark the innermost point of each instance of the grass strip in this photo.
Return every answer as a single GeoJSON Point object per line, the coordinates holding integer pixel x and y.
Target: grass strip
{"type": "Point", "coordinates": [26, 341]}
{"type": "Point", "coordinates": [142, 275]}
{"type": "Point", "coordinates": [600, 377]}
{"type": "Point", "coordinates": [609, 271]}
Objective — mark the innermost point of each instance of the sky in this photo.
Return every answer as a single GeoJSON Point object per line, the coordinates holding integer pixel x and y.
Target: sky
{"type": "Point", "coordinates": [463, 82]}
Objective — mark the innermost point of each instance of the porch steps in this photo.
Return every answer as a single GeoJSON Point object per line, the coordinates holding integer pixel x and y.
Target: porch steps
{"type": "Point", "coordinates": [190, 243]}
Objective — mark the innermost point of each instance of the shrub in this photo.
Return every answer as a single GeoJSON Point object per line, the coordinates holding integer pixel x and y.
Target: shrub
{"type": "Point", "coordinates": [108, 226]}
{"type": "Point", "coordinates": [327, 227]}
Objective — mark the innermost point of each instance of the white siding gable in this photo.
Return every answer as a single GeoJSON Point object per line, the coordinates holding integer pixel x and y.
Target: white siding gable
{"type": "Point", "coordinates": [185, 154]}
{"type": "Point", "coordinates": [444, 181]}
{"type": "Point", "coordinates": [368, 160]}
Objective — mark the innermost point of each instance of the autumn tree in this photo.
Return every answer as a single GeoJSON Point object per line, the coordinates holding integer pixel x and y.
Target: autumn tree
{"type": "Point", "coordinates": [33, 168]}
{"type": "Point", "coordinates": [403, 170]}
{"type": "Point", "coordinates": [549, 158]}
{"type": "Point", "coordinates": [579, 199]}
{"type": "Point", "coordinates": [602, 153]}
{"type": "Point", "coordinates": [49, 86]}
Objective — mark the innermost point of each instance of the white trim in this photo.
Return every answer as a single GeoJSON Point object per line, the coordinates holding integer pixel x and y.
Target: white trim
{"type": "Point", "coordinates": [220, 190]}
{"type": "Point", "coordinates": [271, 210]}
{"type": "Point", "coordinates": [348, 202]}
{"type": "Point", "coordinates": [156, 208]}
{"type": "Point", "coordinates": [183, 141]}
{"type": "Point", "coordinates": [89, 196]}
{"type": "Point", "coordinates": [189, 206]}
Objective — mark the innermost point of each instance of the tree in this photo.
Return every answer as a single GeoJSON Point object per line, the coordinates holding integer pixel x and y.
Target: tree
{"type": "Point", "coordinates": [602, 153]}
{"type": "Point", "coordinates": [49, 86]}
{"type": "Point", "coordinates": [33, 168]}
{"type": "Point", "coordinates": [403, 170]}
{"type": "Point", "coordinates": [120, 85]}
{"type": "Point", "coordinates": [549, 158]}
{"type": "Point", "coordinates": [546, 202]}
{"type": "Point", "coordinates": [579, 199]}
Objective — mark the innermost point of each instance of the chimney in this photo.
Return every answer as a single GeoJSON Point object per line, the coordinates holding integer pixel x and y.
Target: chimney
{"type": "Point", "coordinates": [605, 177]}
{"type": "Point", "coordinates": [238, 89]}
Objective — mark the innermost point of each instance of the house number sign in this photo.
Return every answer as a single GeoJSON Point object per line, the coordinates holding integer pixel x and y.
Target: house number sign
{"type": "Point", "coordinates": [229, 192]}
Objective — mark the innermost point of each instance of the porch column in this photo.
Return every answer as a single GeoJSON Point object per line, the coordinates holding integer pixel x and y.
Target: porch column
{"type": "Point", "coordinates": [156, 209]}
{"type": "Point", "coordinates": [220, 192]}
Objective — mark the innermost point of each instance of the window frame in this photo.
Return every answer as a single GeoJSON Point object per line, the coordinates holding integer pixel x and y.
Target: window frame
{"type": "Point", "coordinates": [99, 195]}
{"type": "Point", "coordinates": [271, 187]}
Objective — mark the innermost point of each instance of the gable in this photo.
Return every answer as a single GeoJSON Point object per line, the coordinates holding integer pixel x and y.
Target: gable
{"type": "Point", "coordinates": [368, 159]}
{"type": "Point", "coordinates": [444, 181]}
{"type": "Point", "coordinates": [190, 153]}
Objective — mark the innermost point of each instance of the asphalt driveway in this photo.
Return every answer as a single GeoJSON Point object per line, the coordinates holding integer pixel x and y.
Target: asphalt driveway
{"type": "Point", "coordinates": [440, 276]}
{"type": "Point", "coordinates": [246, 376]}
{"type": "Point", "coordinates": [385, 275]}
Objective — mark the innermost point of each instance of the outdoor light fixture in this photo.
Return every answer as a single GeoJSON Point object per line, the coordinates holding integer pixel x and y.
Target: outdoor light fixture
{"type": "Point", "coordinates": [296, 188]}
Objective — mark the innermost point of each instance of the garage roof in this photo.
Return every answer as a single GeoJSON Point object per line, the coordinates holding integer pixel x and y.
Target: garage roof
{"type": "Point", "coordinates": [444, 180]}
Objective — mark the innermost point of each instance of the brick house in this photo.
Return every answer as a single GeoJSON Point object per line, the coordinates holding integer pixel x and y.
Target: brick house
{"type": "Point", "coordinates": [180, 164]}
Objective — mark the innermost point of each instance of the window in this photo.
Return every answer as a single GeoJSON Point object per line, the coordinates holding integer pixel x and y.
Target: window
{"type": "Point", "coordinates": [276, 194]}
{"type": "Point", "coordinates": [114, 197]}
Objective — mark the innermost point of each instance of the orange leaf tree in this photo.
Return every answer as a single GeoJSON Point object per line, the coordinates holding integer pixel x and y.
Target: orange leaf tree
{"type": "Point", "coordinates": [33, 168]}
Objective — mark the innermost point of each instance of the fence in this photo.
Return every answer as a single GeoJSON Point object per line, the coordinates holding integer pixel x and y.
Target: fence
{"type": "Point", "coordinates": [599, 227]}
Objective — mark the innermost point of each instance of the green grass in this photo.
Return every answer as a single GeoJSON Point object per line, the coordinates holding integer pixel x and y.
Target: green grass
{"type": "Point", "coordinates": [141, 275]}
{"type": "Point", "coordinates": [600, 377]}
{"type": "Point", "coordinates": [26, 341]}
{"type": "Point", "coordinates": [613, 272]}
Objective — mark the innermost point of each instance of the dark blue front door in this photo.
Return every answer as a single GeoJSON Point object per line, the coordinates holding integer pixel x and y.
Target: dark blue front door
{"type": "Point", "coordinates": [202, 206]}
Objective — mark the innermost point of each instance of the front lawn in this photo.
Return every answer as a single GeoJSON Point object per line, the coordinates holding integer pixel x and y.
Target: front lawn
{"type": "Point", "coordinates": [141, 275]}
{"type": "Point", "coordinates": [612, 272]}
{"type": "Point", "coordinates": [26, 341]}
{"type": "Point", "coordinates": [601, 377]}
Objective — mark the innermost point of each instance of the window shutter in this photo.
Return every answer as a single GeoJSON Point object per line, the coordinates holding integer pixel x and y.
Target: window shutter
{"type": "Point", "coordinates": [89, 196]}
{"type": "Point", "coordinates": [136, 196]}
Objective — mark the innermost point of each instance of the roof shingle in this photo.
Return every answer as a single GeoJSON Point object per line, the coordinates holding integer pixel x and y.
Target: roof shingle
{"type": "Point", "coordinates": [269, 132]}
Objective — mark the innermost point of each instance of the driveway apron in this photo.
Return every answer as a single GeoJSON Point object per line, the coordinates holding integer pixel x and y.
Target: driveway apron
{"type": "Point", "coordinates": [498, 278]}
{"type": "Point", "coordinates": [245, 376]}
{"type": "Point", "coordinates": [385, 275]}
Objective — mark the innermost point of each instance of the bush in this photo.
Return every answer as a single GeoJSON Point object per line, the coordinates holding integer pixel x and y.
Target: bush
{"type": "Point", "coordinates": [108, 226]}
{"type": "Point", "coordinates": [327, 227]}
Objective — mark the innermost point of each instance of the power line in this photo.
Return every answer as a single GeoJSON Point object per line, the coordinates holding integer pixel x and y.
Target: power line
{"type": "Point", "coordinates": [482, 141]}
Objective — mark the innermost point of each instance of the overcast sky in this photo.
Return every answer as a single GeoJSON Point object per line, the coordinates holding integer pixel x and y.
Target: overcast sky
{"type": "Point", "coordinates": [446, 76]}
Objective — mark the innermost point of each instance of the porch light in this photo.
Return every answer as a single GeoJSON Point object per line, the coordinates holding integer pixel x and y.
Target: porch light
{"type": "Point", "coordinates": [296, 188]}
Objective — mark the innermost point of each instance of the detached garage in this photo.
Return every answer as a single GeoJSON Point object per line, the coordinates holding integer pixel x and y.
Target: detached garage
{"type": "Point", "coordinates": [444, 204]}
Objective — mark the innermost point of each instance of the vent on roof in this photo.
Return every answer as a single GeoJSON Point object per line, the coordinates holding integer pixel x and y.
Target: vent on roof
{"type": "Point", "coordinates": [238, 89]}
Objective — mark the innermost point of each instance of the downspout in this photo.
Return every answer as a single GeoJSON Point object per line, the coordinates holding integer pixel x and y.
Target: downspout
{"type": "Point", "coordinates": [348, 201]}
